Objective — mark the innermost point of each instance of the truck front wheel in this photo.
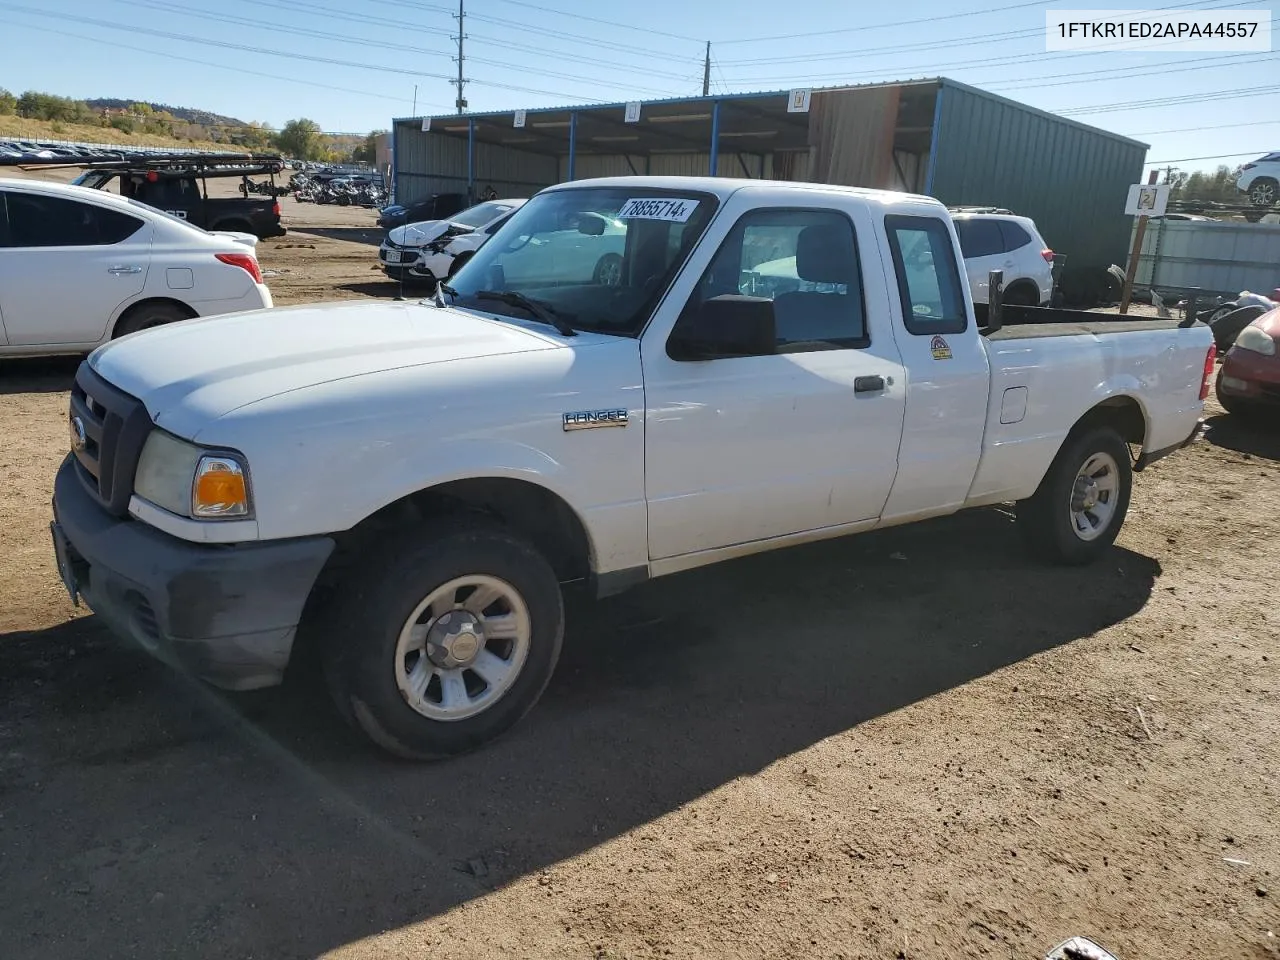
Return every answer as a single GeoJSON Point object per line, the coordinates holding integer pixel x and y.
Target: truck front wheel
{"type": "Point", "coordinates": [1080, 505]}
{"type": "Point", "coordinates": [447, 642]}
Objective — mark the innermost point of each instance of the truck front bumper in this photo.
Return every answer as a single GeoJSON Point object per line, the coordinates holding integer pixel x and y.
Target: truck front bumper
{"type": "Point", "coordinates": [229, 613]}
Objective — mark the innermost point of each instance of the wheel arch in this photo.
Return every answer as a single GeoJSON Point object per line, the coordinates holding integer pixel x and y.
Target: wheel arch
{"type": "Point", "coordinates": [130, 309]}
{"type": "Point", "coordinates": [531, 509]}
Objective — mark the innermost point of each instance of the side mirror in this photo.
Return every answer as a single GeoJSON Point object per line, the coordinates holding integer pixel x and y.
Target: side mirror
{"type": "Point", "coordinates": [591, 225]}
{"type": "Point", "coordinates": [723, 327]}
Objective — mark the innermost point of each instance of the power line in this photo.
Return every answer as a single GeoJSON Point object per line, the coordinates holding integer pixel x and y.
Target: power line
{"type": "Point", "coordinates": [226, 44]}
{"type": "Point", "coordinates": [595, 81]}
{"type": "Point", "coordinates": [590, 41]}
{"type": "Point", "coordinates": [1127, 72]}
{"type": "Point", "coordinates": [1232, 94]}
{"type": "Point", "coordinates": [970, 40]}
{"type": "Point", "coordinates": [882, 26]}
{"type": "Point", "coordinates": [1216, 156]}
{"type": "Point", "coordinates": [1220, 126]}
{"type": "Point", "coordinates": [578, 58]}
{"type": "Point", "coordinates": [607, 23]}
{"type": "Point", "coordinates": [277, 28]}
{"type": "Point", "coordinates": [211, 63]}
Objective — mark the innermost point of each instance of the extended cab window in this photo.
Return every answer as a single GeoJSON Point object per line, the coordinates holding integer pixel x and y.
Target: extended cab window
{"type": "Point", "coordinates": [39, 221]}
{"type": "Point", "coordinates": [928, 279]}
{"type": "Point", "coordinates": [806, 262]}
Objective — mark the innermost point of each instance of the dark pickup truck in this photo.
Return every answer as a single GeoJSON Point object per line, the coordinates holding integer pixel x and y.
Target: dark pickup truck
{"type": "Point", "coordinates": [183, 192]}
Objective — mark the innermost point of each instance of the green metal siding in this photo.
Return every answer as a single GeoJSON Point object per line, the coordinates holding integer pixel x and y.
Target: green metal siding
{"type": "Point", "coordinates": [1070, 178]}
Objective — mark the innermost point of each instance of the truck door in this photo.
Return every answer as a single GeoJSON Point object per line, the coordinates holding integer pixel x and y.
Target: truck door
{"type": "Point", "coordinates": [744, 449]}
{"type": "Point", "coordinates": [948, 376]}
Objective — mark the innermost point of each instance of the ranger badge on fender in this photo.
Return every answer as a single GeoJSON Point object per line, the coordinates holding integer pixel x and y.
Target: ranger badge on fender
{"type": "Point", "coordinates": [590, 419]}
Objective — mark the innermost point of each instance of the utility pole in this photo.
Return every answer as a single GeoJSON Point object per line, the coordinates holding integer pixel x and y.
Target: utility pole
{"type": "Point", "coordinates": [706, 72]}
{"type": "Point", "coordinates": [462, 13]}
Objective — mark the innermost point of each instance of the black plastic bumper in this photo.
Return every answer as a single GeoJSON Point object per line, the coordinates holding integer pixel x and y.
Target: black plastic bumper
{"type": "Point", "coordinates": [227, 612]}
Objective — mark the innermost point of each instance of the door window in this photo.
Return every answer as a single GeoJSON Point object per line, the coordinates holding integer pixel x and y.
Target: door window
{"type": "Point", "coordinates": [35, 220]}
{"type": "Point", "coordinates": [928, 279]}
{"type": "Point", "coordinates": [806, 262]}
{"type": "Point", "coordinates": [1015, 238]}
{"type": "Point", "coordinates": [980, 238]}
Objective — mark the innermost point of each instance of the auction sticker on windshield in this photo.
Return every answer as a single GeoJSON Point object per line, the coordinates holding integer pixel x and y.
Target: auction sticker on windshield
{"type": "Point", "coordinates": [658, 208]}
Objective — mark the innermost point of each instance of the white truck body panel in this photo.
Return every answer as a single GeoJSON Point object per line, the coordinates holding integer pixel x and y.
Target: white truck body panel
{"type": "Point", "coordinates": [342, 409]}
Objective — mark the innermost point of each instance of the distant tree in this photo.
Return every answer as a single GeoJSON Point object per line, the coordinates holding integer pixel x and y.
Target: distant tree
{"type": "Point", "coordinates": [8, 103]}
{"type": "Point", "coordinates": [301, 139]}
{"type": "Point", "coordinates": [123, 122]}
{"type": "Point", "coordinates": [1217, 186]}
{"type": "Point", "coordinates": [367, 152]}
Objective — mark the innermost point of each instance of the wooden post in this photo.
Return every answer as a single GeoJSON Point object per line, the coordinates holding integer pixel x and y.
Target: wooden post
{"type": "Point", "coordinates": [1126, 294]}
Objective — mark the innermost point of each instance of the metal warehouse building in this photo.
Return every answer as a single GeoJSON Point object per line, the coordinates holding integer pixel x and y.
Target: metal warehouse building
{"type": "Point", "coordinates": [939, 137]}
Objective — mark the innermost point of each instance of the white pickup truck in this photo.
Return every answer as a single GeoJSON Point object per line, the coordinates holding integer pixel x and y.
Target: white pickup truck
{"type": "Point", "coordinates": [409, 484]}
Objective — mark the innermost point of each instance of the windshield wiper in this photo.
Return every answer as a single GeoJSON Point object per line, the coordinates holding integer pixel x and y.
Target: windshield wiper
{"type": "Point", "coordinates": [542, 311]}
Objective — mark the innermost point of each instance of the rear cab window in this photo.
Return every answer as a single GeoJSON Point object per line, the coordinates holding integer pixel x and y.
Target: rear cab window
{"type": "Point", "coordinates": [928, 277]}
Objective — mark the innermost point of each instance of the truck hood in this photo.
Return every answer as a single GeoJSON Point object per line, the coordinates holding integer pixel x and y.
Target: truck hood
{"type": "Point", "coordinates": [191, 373]}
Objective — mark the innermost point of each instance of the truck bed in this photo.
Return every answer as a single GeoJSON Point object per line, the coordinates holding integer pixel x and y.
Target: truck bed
{"type": "Point", "coordinates": [1023, 323]}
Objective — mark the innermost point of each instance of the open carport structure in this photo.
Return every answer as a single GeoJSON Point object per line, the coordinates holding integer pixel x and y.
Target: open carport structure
{"type": "Point", "coordinates": [939, 137]}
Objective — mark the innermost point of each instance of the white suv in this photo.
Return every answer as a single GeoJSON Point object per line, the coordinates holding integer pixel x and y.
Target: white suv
{"type": "Point", "coordinates": [1261, 180]}
{"type": "Point", "coordinates": [1002, 241]}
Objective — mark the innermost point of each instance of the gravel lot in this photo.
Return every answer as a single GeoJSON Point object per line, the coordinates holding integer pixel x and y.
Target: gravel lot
{"type": "Point", "coordinates": [913, 743]}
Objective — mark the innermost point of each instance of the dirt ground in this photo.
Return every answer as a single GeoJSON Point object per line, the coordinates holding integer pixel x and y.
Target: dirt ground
{"type": "Point", "coordinates": [913, 743]}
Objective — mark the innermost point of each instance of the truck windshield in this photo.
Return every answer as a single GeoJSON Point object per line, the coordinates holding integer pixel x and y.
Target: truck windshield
{"type": "Point", "coordinates": [598, 258]}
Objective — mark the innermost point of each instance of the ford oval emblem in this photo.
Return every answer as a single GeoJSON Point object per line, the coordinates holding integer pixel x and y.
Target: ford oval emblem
{"type": "Point", "coordinates": [78, 437]}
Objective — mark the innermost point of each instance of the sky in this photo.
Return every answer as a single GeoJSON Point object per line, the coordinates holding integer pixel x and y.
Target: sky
{"type": "Point", "coordinates": [351, 66]}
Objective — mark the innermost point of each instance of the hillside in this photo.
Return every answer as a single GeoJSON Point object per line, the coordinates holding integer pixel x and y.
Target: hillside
{"type": "Point", "coordinates": [22, 128]}
{"type": "Point", "coordinates": [186, 114]}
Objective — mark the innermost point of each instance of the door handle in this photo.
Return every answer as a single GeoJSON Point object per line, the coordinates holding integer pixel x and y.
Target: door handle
{"type": "Point", "coordinates": [119, 270]}
{"type": "Point", "coordinates": [873, 384]}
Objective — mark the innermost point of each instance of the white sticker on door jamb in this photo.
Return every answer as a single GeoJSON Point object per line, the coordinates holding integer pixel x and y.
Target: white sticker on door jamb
{"type": "Point", "coordinates": [658, 208]}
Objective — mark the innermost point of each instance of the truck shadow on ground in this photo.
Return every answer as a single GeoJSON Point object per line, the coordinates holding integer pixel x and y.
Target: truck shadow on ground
{"type": "Point", "coordinates": [1255, 436]}
{"type": "Point", "coordinates": [388, 289]}
{"type": "Point", "coordinates": [38, 374]}
{"type": "Point", "coordinates": [146, 815]}
{"type": "Point", "coordinates": [370, 235]}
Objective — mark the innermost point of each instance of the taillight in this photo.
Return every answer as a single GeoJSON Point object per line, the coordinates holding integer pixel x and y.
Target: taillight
{"type": "Point", "coordinates": [1047, 254]}
{"type": "Point", "coordinates": [275, 208]}
{"type": "Point", "coordinates": [1209, 358]}
{"type": "Point", "coordinates": [244, 261]}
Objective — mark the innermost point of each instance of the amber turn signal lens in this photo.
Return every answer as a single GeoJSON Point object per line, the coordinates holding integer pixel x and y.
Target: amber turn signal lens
{"type": "Point", "coordinates": [220, 489]}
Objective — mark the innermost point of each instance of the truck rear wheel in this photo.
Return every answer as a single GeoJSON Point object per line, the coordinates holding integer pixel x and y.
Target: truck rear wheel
{"type": "Point", "coordinates": [1077, 511]}
{"type": "Point", "coordinates": [446, 643]}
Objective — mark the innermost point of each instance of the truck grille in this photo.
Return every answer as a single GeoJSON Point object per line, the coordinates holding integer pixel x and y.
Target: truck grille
{"type": "Point", "coordinates": [115, 426]}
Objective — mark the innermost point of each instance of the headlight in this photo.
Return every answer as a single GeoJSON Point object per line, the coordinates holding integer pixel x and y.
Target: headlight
{"type": "Point", "coordinates": [190, 481]}
{"type": "Point", "coordinates": [1251, 338]}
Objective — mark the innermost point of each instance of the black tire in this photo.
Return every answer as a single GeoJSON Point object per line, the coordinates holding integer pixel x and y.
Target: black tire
{"type": "Point", "coordinates": [1264, 191]}
{"type": "Point", "coordinates": [374, 605]}
{"type": "Point", "coordinates": [459, 262]}
{"type": "Point", "coordinates": [1045, 519]}
{"type": "Point", "coordinates": [148, 315]}
{"type": "Point", "coordinates": [343, 200]}
{"type": "Point", "coordinates": [604, 266]}
{"type": "Point", "coordinates": [1022, 295]}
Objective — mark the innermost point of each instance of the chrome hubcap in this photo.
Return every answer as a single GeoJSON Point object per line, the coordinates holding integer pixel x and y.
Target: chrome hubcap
{"type": "Point", "coordinates": [462, 647]}
{"type": "Point", "coordinates": [1094, 495]}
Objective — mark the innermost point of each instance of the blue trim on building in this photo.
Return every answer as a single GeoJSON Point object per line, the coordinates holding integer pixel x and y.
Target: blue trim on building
{"type": "Point", "coordinates": [715, 138]}
{"type": "Point", "coordinates": [933, 143]}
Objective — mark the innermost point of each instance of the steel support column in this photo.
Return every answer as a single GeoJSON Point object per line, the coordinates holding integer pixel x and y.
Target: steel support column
{"type": "Point", "coordinates": [715, 137]}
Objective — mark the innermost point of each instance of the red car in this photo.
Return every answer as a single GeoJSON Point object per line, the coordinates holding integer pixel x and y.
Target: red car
{"type": "Point", "coordinates": [1249, 380]}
